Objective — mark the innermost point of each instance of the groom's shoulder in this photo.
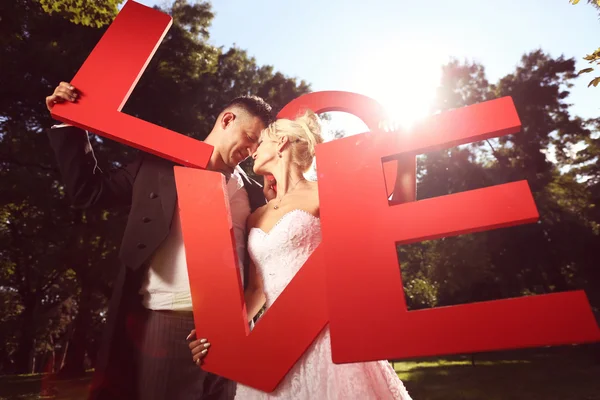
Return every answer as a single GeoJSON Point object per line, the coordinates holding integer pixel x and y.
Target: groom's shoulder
{"type": "Point", "coordinates": [150, 160]}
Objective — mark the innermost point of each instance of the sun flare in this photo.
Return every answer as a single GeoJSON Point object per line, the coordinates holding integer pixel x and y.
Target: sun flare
{"type": "Point", "coordinates": [406, 92]}
{"type": "Point", "coordinates": [406, 89]}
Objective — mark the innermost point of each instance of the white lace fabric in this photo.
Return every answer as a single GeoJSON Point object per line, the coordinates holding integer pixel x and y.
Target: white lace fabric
{"type": "Point", "coordinates": [278, 255]}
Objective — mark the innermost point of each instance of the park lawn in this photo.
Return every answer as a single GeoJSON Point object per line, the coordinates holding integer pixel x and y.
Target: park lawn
{"type": "Point", "coordinates": [571, 373]}
{"type": "Point", "coordinates": [565, 373]}
{"type": "Point", "coordinates": [41, 386]}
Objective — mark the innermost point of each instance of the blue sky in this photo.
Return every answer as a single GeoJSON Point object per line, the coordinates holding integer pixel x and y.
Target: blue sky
{"type": "Point", "coordinates": [361, 46]}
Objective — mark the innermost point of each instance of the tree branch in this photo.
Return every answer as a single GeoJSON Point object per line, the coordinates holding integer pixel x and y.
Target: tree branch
{"type": "Point", "coordinates": [501, 159]}
{"type": "Point", "coordinates": [51, 281]}
{"type": "Point", "coordinates": [12, 160]}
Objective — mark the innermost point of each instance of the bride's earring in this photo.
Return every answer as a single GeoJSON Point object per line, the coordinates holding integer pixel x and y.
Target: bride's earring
{"type": "Point", "coordinates": [279, 154]}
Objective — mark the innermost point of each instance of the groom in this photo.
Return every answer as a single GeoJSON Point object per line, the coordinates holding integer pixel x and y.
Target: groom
{"type": "Point", "coordinates": [144, 354]}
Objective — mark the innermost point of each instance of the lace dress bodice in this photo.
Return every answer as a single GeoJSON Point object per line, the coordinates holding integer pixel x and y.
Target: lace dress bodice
{"type": "Point", "coordinates": [280, 253]}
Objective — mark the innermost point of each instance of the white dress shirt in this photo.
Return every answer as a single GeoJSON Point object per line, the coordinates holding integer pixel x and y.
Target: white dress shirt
{"type": "Point", "coordinates": [167, 285]}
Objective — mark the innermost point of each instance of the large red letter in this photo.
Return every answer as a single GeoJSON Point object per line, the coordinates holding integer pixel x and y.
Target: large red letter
{"type": "Point", "coordinates": [360, 231]}
{"type": "Point", "coordinates": [108, 77]}
{"type": "Point", "coordinates": [262, 357]}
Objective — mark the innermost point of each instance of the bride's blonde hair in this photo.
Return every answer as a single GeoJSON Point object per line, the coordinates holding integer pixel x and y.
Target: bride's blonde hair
{"type": "Point", "coordinates": [303, 133]}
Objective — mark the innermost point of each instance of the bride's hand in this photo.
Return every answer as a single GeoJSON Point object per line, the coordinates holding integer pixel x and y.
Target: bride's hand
{"type": "Point", "coordinates": [269, 188]}
{"type": "Point", "coordinates": [198, 347]}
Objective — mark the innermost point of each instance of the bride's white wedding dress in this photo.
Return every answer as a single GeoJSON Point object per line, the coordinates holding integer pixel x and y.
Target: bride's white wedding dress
{"type": "Point", "coordinates": [278, 255]}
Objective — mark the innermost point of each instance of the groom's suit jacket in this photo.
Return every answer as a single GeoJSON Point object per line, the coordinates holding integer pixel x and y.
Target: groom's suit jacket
{"type": "Point", "coordinates": [147, 186]}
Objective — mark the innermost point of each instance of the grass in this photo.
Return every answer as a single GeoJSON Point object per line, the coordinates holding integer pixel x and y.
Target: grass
{"type": "Point", "coordinates": [565, 373]}
{"type": "Point", "coordinates": [43, 386]}
{"type": "Point", "coordinates": [570, 373]}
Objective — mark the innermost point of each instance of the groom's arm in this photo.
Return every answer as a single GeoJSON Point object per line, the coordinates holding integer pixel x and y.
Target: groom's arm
{"type": "Point", "coordinates": [86, 184]}
{"type": "Point", "coordinates": [239, 205]}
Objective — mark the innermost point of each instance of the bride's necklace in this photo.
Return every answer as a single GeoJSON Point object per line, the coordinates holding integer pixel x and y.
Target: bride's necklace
{"type": "Point", "coordinates": [276, 207]}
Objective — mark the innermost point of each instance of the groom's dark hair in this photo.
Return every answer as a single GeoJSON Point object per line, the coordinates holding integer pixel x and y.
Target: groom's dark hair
{"type": "Point", "coordinates": [254, 105]}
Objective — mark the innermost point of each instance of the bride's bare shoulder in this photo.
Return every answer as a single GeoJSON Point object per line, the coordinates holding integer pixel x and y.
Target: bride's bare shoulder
{"type": "Point", "coordinates": [255, 216]}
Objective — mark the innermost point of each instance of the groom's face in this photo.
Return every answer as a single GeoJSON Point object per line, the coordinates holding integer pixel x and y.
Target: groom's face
{"type": "Point", "coordinates": [240, 139]}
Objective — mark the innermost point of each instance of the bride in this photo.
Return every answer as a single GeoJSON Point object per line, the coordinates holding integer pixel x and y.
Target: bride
{"type": "Point", "coordinates": [282, 235]}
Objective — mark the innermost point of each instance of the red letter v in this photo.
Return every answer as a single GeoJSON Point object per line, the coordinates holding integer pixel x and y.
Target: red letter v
{"type": "Point", "coordinates": [263, 357]}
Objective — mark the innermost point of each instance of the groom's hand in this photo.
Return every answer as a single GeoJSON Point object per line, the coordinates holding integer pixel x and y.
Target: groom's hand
{"type": "Point", "coordinates": [199, 347]}
{"type": "Point", "coordinates": [63, 92]}
{"type": "Point", "coordinates": [269, 188]}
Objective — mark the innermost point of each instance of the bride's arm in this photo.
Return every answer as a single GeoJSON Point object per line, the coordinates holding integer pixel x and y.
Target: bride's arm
{"type": "Point", "coordinates": [254, 295]}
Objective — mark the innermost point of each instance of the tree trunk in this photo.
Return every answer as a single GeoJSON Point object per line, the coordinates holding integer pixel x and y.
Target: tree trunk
{"type": "Point", "coordinates": [74, 365]}
{"type": "Point", "coordinates": [50, 363]}
{"type": "Point", "coordinates": [25, 348]}
{"type": "Point", "coordinates": [34, 359]}
{"type": "Point", "coordinates": [63, 357]}
{"type": "Point", "coordinates": [6, 363]}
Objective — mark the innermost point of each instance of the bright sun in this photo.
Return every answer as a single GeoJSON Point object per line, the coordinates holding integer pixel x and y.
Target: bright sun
{"type": "Point", "coordinates": [405, 89]}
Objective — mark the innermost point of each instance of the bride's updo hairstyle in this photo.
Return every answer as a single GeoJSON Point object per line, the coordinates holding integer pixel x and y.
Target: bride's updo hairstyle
{"type": "Point", "coordinates": [303, 133]}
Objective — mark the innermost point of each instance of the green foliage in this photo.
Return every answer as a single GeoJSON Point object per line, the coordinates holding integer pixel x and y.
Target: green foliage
{"type": "Point", "coordinates": [597, 2]}
{"type": "Point", "coordinates": [555, 254]}
{"type": "Point", "coordinates": [84, 12]}
{"type": "Point", "coordinates": [593, 58]}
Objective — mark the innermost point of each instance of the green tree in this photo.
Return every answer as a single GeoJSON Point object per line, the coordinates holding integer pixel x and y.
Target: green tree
{"type": "Point", "coordinates": [594, 57]}
{"type": "Point", "coordinates": [88, 13]}
{"type": "Point", "coordinates": [555, 254]}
